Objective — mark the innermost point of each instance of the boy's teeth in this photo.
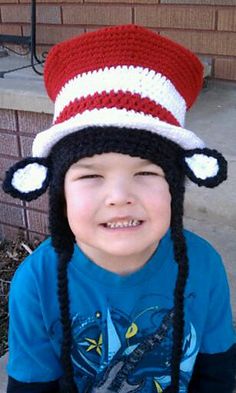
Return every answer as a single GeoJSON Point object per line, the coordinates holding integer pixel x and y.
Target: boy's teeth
{"type": "Point", "coordinates": [123, 224]}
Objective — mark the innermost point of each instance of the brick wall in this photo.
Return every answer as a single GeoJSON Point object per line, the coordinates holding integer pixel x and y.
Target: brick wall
{"type": "Point", "coordinates": [208, 27]}
{"type": "Point", "coordinates": [17, 130]}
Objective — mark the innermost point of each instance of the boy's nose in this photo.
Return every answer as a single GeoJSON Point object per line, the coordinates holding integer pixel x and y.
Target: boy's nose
{"type": "Point", "coordinates": [120, 195]}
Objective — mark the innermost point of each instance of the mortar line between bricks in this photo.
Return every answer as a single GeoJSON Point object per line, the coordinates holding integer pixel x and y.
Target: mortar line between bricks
{"type": "Point", "coordinates": [11, 204]}
{"type": "Point", "coordinates": [18, 134]}
{"type": "Point", "coordinates": [176, 5]}
{"type": "Point", "coordinates": [36, 209]}
{"type": "Point", "coordinates": [26, 220]}
{"type": "Point", "coordinates": [24, 229]}
{"type": "Point", "coordinates": [9, 156]}
{"type": "Point", "coordinates": [189, 30]}
{"type": "Point", "coordinates": [8, 132]}
{"type": "Point", "coordinates": [216, 19]}
{"type": "Point", "coordinates": [132, 14]}
{"type": "Point", "coordinates": [61, 15]}
{"type": "Point", "coordinates": [26, 224]}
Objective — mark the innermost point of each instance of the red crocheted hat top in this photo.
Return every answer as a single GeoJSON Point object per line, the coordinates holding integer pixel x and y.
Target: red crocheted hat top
{"type": "Point", "coordinates": [128, 45]}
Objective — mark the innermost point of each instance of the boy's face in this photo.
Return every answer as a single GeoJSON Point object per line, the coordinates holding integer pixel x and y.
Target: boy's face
{"type": "Point", "coordinates": [118, 208]}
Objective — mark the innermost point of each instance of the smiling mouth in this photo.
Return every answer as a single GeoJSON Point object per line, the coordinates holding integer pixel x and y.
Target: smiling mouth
{"type": "Point", "coordinates": [123, 224]}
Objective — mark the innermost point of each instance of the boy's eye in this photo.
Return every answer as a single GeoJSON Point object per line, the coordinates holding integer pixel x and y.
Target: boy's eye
{"type": "Point", "coordinates": [147, 173]}
{"type": "Point", "coordinates": [89, 176]}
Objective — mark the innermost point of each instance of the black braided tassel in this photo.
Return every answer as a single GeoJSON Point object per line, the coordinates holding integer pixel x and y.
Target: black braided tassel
{"type": "Point", "coordinates": [181, 258]}
{"type": "Point", "coordinates": [67, 384]}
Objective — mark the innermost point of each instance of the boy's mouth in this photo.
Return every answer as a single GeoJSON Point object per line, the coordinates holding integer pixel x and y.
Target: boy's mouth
{"type": "Point", "coordinates": [122, 224]}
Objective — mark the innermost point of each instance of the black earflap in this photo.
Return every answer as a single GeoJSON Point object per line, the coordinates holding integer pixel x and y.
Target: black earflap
{"type": "Point", "coordinates": [205, 167]}
{"type": "Point", "coordinates": [27, 179]}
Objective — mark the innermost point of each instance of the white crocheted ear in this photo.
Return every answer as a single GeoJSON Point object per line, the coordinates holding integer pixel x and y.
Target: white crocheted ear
{"type": "Point", "coordinates": [27, 179]}
{"type": "Point", "coordinates": [205, 167]}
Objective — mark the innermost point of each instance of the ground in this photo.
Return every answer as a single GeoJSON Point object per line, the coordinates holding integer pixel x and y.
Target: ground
{"type": "Point", "coordinates": [11, 255]}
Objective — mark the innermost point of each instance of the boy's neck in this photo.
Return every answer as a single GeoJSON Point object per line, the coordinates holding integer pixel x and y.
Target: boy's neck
{"type": "Point", "coordinates": [121, 265]}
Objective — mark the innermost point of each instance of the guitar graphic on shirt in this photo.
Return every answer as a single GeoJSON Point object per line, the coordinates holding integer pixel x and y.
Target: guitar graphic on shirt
{"type": "Point", "coordinates": [115, 378]}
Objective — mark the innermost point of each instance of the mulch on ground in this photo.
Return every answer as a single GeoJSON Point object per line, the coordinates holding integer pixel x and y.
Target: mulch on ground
{"type": "Point", "coordinates": [11, 255]}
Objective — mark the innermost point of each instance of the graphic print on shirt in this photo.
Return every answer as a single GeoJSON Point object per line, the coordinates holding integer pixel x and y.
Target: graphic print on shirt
{"type": "Point", "coordinates": [105, 340]}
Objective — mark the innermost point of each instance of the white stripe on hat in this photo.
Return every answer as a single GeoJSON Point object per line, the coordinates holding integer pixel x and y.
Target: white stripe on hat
{"type": "Point", "coordinates": [143, 81]}
{"type": "Point", "coordinates": [45, 140]}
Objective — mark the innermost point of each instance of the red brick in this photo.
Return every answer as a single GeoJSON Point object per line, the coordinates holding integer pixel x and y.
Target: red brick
{"type": "Point", "coordinates": [205, 42]}
{"type": "Point", "coordinates": [6, 198]}
{"type": "Point", "coordinates": [15, 13]}
{"type": "Point", "coordinates": [203, 2]}
{"type": "Point", "coordinates": [38, 222]}
{"type": "Point", "coordinates": [11, 232]}
{"type": "Point", "coordinates": [225, 69]}
{"type": "Point", "coordinates": [10, 29]}
{"type": "Point", "coordinates": [124, 1]}
{"type": "Point", "coordinates": [12, 215]}
{"type": "Point", "coordinates": [54, 34]}
{"type": "Point", "coordinates": [8, 1]}
{"type": "Point", "coordinates": [175, 17]}
{"type": "Point", "coordinates": [96, 15]}
{"type": "Point", "coordinates": [7, 120]}
{"type": "Point", "coordinates": [8, 144]}
{"type": "Point", "coordinates": [226, 19]}
{"type": "Point", "coordinates": [50, 1]}
{"type": "Point", "coordinates": [41, 203]}
{"type": "Point", "coordinates": [5, 164]}
{"type": "Point", "coordinates": [32, 123]}
{"type": "Point", "coordinates": [48, 14]}
{"type": "Point", "coordinates": [22, 13]}
{"type": "Point", "coordinates": [26, 146]}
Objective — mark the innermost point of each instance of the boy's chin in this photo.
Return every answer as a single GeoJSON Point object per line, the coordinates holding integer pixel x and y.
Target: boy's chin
{"type": "Point", "coordinates": [121, 259]}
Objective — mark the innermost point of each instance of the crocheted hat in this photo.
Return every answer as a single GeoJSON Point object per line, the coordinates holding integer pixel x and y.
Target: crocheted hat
{"type": "Point", "coordinates": [121, 77]}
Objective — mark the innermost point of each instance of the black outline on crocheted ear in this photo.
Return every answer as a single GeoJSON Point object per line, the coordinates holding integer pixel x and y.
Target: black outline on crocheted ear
{"type": "Point", "coordinates": [211, 181]}
{"type": "Point", "coordinates": [31, 195]}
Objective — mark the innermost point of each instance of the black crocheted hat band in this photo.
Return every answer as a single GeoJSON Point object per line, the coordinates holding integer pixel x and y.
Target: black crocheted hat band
{"type": "Point", "coordinates": [96, 140]}
{"type": "Point", "coordinates": [22, 181]}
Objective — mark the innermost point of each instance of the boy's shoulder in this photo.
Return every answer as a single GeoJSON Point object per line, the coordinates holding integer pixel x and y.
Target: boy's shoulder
{"type": "Point", "coordinates": [195, 241]}
{"type": "Point", "coordinates": [202, 255]}
{"type": "Point", "coordinates": [36, 261]}
{"type": "Point", "coordinates": [45, 250]}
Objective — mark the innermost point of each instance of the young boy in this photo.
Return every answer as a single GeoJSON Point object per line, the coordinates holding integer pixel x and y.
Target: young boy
{"type": "Point", "coordinates": [120, 298]}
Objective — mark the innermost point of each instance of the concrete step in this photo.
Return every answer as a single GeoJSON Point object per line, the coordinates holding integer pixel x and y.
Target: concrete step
{"type": "Point", "coordinates": [3, 375]}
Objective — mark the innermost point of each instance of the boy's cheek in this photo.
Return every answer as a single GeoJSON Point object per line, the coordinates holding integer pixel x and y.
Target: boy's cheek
{"type": "Point", "coordinates": [79, 206]}
{"type": "Point", "coordinates": [160, 199]}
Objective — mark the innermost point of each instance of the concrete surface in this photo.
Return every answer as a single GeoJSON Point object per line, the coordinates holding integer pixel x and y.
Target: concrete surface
{"type": "Point", "coordinates": [22, 89]}
{"type": "Point", "coordinates": [209, 212]}
{"type": "Point", "coordinates": [3, 375]}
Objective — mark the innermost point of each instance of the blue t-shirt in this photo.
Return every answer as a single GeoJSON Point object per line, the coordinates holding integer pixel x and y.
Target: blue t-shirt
{"type": "Point", "coordinates": [111, 315]}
